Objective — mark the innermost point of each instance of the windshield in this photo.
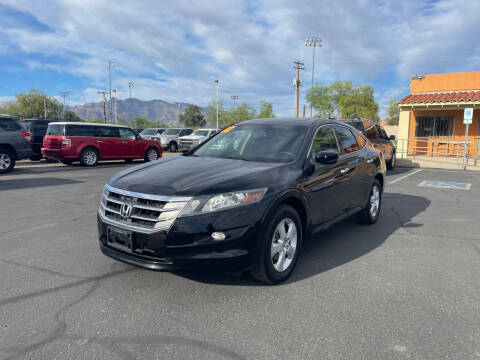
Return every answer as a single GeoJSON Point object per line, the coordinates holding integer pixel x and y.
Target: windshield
{"type": "Point", "coordinates": [148, 132]}
{"type": "Point", "coordinates": [261, 143]}
{"type": "Point", "coordinates": [171, 132]}
{"type": "Point", "coordinates": [201, 133]}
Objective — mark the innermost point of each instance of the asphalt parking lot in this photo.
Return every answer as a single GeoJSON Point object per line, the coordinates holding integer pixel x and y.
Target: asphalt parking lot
{"type": "Point", "coordinates": [407, 287]}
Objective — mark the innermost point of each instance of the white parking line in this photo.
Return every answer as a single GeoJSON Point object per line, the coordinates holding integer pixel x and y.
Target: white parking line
{"type": "Point", "coordinates": [405, 176]}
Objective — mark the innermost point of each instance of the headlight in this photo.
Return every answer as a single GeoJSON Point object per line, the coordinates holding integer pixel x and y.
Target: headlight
{"type": "Point", "coordinates": [206, 204]}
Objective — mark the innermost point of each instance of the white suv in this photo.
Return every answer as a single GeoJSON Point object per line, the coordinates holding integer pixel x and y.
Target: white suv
{"type": "Point", "coordinates": [186, 143]}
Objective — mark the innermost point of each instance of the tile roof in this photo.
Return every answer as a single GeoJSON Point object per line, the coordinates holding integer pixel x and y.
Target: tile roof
{"type": "Point", "coordinates": [441, 97]}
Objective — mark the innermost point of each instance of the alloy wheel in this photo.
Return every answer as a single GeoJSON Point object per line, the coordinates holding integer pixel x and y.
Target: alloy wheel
{"type": "Point", "coordinates": [374, 201]}
{"type": "Point", "coordinates": [90, 157]}
{"type": "Point", "coordinates": [152, 155]}
{"type": "Point", "coordinates": [284, 244]}
{"type": "Point", "coordinates": [5, 161]}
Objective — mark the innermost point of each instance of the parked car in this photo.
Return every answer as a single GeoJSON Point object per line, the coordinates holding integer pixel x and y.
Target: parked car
{"type": "Point", "coordinates": [152, 133]}
{"type": "Point", "coordinates": [14, 143]}
{"type": "Point", "coordinates": [37, 128]}
{"type": "Point", "coordinates": [244, 199]}
{"type": "Point", "coordinates": [378, 137]}
{"type": "Point", "coordinates": [186, 143]}
{"type": "Point", "coordinates": [89, 143]}
{"type": "Point", "coordinates": [169, 138]}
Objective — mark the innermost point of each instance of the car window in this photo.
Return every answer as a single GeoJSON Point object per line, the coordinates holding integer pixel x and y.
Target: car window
{"type": "Point", "coordinates": [10, 125]}
{"type": "Point", "coordinates": [160, 131]}
{"type": "Point", "coordinates": [82, 130]}
{"type": "Point", "coordinates": [148, 132]}
{"type": "Point", "coordinates": [260, 143]}
{"type": "Point", "coordinates": [56, 130]}
{"type": "Point", "coordinates": [346, 139]}
{"type": "Point", "coordinates": [384, 133]}
{"type": "Point", "coordinates": [27, 125]}
{"type": "Point", "coordinates": [379, 131]}
{"type": "Point", "coordinates": [126, 133]}
{"type": "Point", "coordinates": [39, 128]}
{"type": "Point", "coordinates": [109, 131]}
{"type": "Point", "coordinates": [370, 132]}
{"type": "Point", "coordinates": [186, 132]}
{"type": "Point", "coordinates": [361, 140]}
{"type": "Point", "coordinates": [324, 140]}
{"type": "Point", "coordinates": [201, 133]}
{"type": "Point", "coordinates": [171, 132]}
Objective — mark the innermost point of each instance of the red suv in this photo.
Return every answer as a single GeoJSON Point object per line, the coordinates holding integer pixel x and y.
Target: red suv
{"type": "Point", "coordinates": [89, 143]}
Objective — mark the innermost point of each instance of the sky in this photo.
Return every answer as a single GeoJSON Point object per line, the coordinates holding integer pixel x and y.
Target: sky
{"type": "Point", "coordinates": [174, 50]}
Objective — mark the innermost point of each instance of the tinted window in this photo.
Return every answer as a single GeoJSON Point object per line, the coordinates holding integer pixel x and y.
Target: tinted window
{"type": "Point", "coordinates": [82, 130]}
{"type": "Point", "coordinates": [171, 132]}
{"type": "Point", "coordinates": [185, 132]}
{"type": "Point", "coordinates": [324, 140]}
{"type": "Point", "coordinates": [370, 132]}
{"type": "Point", "coordinates": [40, 127]}
{"type": "Point", "coordinates": [347, 140]}
{"type": "Point", "coordinates": [148, 132]}
{"type": "Point", "coordinates": [27, 125]}
{"type": "Point", "coordinates": [126, 133]}
{"type": "Point", "coordinates": [356, 124]}
{"type": "Point", "coordinates": [56, 130]}
{"type": "Point", "coordinates": [10, 125]}
{"type": "Point", "coordinates": [384, 134]}
{"type": "Point", "coordinates": [160, 131]}
{"type": "Point", "coordinates": [109, 131]}
{"type": "Point", "coordinates": [261, 143]}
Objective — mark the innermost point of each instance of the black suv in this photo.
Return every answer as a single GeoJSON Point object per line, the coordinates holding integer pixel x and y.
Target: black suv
{"type": "Point", "coordinates": [37, 129]}
{"type": "Point", "coordinates": [244, 199]}
{"type": "Point", "coordinates": [378, 137]}
{"type": "Point", "coordinates": [14, 143]}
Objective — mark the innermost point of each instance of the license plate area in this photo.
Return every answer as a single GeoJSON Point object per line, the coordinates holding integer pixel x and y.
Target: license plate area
{"type": "Point", "coordinates": [120, 239]}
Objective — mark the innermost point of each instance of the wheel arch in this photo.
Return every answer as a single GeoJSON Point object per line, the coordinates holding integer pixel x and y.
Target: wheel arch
{"type": "Point", "coordinates": [90, 147]}
{"type": "Point", "coordinates": [10, 148]}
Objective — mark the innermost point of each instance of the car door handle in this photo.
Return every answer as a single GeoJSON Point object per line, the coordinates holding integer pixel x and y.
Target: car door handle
{"type": "Point", "coordinates": [99, 141]}
{"type": "Point", "coordinates": [369, 161]}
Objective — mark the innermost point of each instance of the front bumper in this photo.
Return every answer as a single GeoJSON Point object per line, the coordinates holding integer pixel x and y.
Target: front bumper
{"type": "Point", "coordinates": [186, 147]}
{"type": "Point", "coordinates": [187, 245]}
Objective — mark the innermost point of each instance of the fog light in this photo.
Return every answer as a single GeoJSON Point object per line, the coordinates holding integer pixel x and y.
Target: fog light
{"type": "Point", "coordinates": [218, 235]}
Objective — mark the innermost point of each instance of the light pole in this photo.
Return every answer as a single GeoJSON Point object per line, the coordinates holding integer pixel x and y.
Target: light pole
{"type": "Point", "coordinates": [64, 94]}
{"type": "Point", "coordinates": [313, 42]}
{"type": "Point", "coordinates": [131, 84]}
{"type": "Point", "coordinates": [216, 82]}
{"type": "Point", "coordinates": [110, 65]}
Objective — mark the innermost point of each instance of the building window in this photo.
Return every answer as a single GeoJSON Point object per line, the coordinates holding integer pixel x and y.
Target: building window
{"type": "Point", "coordinates": [436, 125]}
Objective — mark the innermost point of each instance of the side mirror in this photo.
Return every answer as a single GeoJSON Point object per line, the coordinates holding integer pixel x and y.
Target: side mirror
{"type": "Point", "coordinates": [326, 157]}
{"type": "Point", "coordinates": [392, 137]}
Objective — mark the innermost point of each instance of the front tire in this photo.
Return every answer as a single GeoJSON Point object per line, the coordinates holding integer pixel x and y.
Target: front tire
{"type": "Point", "coordinates": [282, 241]}
{"type": "Point", "coordinates": [152, 154]}
{"type": "Point", "coordinates": [371, 211]}
{"type": "Point", "coordinates": [172, 147]}
{"type": "Point", "coordinates": [89, 157]}
{"type": "Point", "coordinates": [7, 161]}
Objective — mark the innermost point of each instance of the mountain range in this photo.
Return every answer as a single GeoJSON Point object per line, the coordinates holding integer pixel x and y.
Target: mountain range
{"type": "Point", "coordinates": [152, 110]}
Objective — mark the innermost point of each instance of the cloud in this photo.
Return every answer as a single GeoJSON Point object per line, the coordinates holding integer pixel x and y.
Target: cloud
{"type": "Point", "coordinates": [175, 52]}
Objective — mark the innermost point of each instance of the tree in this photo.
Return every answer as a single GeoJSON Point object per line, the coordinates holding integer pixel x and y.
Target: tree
{"type": "Point", "coordinates": [71, 116]}
{"type": "Point", "coordinates": [343, 99]}
{"type": "Point", "coordinates": [192, 117]}
{"type": "Point", "coordinates": [211, 114]}
{"type": "Point", "coordinates": [266, 110]}
{"type": "Point", "coordinates": [393, 112]}
{"type": "Point", "coordinates": [31, 105]}
{"type": "Point", "coordinates": [240, 113]}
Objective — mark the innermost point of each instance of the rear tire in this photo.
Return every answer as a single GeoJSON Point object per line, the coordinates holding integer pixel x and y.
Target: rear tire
{"type": "Point", "coordinates": [172, 147]}
{"type": "Point", "coordinates": [371, 211]}
{"type": "Point", "coordinates": [391, 163]}
{"type": "Point", "coordinates": [152, 154]}
{"type": "Point", "coordinates": [7, 161]}
{"type": "Point", "coordinates": [89, 157]}
{"type": "Point", "coordinates": [282, 241]}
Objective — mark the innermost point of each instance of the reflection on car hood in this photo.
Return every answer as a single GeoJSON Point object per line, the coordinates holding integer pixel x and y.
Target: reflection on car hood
{"type": "Point", "coordinates": [188, 176]}
{"type": "Point", "coordinates": [193, 137]}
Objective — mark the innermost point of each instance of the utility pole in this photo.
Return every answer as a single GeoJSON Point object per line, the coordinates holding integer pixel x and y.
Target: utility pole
{"type": "Point", "coordinates": [44, 108]}
{"type": "Point", "coordinates": [115, 106]}
{"type": "Point", "coordinates": [131, 84]}
{"type": "Point", "coordinates": [64, 94]}
{"type": "Point", "coordinates": [234, 98]}
{"type": "Point", "coordinates": [313, 42]}
{"type": "Point", "coordinates": [297, 82]}
{"type": "Point", "coordinates": [110, 65]}
{"type": "Point", "coordinates": [104, 93]}
{"type": "Point", "coordinates": [216, 82]}
{"type": "Point", "coordinates": [303, 111]}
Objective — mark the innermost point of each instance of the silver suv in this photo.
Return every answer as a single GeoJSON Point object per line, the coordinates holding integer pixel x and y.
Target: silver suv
{"type": "Point", "coordinates": [186, 143]}
{"type": "Point", "coordinates": [169, 138]}
{"type": "Point", "coordinates": [14, 143]}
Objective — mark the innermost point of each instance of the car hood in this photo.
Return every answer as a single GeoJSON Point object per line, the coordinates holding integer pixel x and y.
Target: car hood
{"type": "Point", "coordinates": [191, 176]}
{"type": "Point", "coordinates": [190, 137]}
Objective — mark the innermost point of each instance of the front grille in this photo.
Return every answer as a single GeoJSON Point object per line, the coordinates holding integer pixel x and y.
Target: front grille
{"type": "Point", "coordinates": [140, 212]}
{"type": "Point", "coordinates": [188, 142]}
